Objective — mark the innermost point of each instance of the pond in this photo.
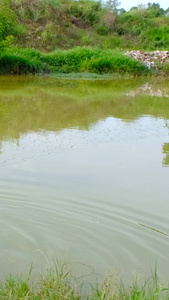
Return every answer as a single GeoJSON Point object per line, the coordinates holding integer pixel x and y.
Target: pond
{"type": "Point", "coordinates": [84, 174]}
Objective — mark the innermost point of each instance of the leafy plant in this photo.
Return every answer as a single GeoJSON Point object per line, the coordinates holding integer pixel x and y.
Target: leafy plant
{"type": "Point", "coordinates": [18, 65]}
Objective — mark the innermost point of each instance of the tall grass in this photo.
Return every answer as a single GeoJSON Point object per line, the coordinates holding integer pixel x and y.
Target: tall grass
{"type": "Point", "coordinates": [72, 21]}
{"type": "Point", "coordinates": [10, 64]}
{"type": "Point", "coordinates": [156, 37]}
{"type": "Point", "coordinates": [92, 60]}
{"type": "Point", "coordinates": [51, 24]}
{"type": "Point", "coordinates": [58, 284]}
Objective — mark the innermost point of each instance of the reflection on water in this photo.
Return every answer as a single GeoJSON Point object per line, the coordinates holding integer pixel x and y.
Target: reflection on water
{"type": "Point", "coordinates": [166, 152]}
{"type": "Point", "coordinates": [81, 168]}
{"type": "Point", "coordinates": [149, 90]}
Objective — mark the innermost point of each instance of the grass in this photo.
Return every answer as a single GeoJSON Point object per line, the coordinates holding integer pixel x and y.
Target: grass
{"type": "Point", "coordinates": [63, 24]}
{"type": "Point", "coordinates": [53, 25]}
{"type": "Point", "coordinates": [79, 59]}
{"type": "Point", "coordinates": [10, 64]}
{"type": "Point", "coordinates": [59, 283]}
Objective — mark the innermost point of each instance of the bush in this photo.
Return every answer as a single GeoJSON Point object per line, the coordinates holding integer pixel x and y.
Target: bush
{"type": "Point", "coordinates": [92, 60]}
{"type": "Point", "coordinates": [102, 29]}
{"type": "Point", "coordinates": [25, 53]}
{"type": "Point", "coordinates": [7, 25]}
{"type": "Point", "coordinates": [109, 62]}
{"type": "Point", "coordinates": [154, 38]}
{"type": "Point", "coordinates": [18, 65]}
{"type": "Point", "coordinates": [7, 19]}
{"type": "Point", "coordinates": [88, 11]}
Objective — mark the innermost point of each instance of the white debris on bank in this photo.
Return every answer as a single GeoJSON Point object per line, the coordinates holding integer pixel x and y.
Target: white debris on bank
{"type": "Point", "coordinates": [148, 58]}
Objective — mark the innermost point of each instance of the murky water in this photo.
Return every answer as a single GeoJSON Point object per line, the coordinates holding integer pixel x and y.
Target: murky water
{"type": "Point", "coordinates": [84, 174]}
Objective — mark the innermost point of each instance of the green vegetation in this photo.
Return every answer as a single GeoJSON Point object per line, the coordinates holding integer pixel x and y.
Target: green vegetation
{"type": "Point", "coordinates": [55, 24]}
{"type": "Point", "coordinates": [6, 25]}
{"type": "Point", "coordinates": [59, 284]}
{"type": "Point", "coordinates": [93, 60]}
{"type": "Point", "coordinates": [93, 34]}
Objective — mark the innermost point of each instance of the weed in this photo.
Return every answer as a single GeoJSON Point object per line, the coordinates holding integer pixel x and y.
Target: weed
{"type": "Point", "coordinates": [58, 284]}
{"type": "Point", "coordinates": [10, 64]}
{"type": "Point", "coordinates": [86, 40]}
{"type": "Point", "coordinates": [79, 59]}
{"type": "Point", "coordinates": [55, 4]}
{"type": "Point", "coordinates": [76, 21]}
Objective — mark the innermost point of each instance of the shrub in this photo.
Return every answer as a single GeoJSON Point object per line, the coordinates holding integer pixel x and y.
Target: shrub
{"type": "Point", "coordinates": [109, 62]}
{"type": "Point", "coordinates": [95, 60]}
{"type": "Point", "coordinates": [7, 25]}
{"type": "Point", "coordinates": [7, 19]}
{"type": "Point", "coordinates": [18, 65]}
{"type": "Point", "coordinates": [155, 37]}
{"type": "Point", "coordinates": [92, 60]}
{"type": "Point", "coordinates": [88, 11]}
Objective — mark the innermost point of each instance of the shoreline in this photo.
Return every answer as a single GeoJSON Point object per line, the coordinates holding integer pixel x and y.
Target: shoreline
{"type": "Point", "coordinates": [79, 62]}
{"type": "Point", "coordinates": [60, 283]}
{"type": "Point", "coordinates": [84, 60]}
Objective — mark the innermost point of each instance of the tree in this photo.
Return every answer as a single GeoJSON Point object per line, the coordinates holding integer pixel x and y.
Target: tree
{"type": "Point", "coordinates": [121, 11]}
{"type": "Point", "coordinates": [134, 8]}
{"type": "Point", "coordinates": [113, 5]}
{"type": "Point", "coordinates": [167, 12]}
{"type": "Point", "coordinates": [155, 9]}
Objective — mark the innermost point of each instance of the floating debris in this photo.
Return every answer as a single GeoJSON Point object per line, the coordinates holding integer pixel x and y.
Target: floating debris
{"type": "Point", "coordinates": [148, 58]}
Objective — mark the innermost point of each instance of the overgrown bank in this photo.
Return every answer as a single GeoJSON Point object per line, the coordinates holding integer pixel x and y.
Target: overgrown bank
{"type": "Point", "coordinates": [59, 284]}
{"type": "Point", "coordinates": [63, 24]}
{"type": "Point", "coordinates": [80, 59]}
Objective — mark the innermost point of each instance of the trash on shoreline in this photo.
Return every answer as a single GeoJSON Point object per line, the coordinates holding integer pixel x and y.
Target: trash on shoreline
{"type": "Point", "coordinates": [148, 58]}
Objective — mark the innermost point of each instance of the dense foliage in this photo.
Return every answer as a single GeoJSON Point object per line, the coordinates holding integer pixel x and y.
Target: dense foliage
{"type": "Point", "coordinates": [79, 59]}
{"type": "Point", "coordinates": [51, 24]}
{"type": "Point", "coordinates": [5, 24]}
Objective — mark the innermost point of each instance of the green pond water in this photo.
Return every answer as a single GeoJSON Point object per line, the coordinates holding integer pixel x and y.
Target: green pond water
{"type": "Point", "coordinates": [84, 174]}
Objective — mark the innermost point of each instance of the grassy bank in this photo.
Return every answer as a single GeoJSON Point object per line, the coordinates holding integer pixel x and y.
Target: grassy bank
{"type": "Point", "coordinates": [59, 284]}
{"type": "Point", "coordinates": [79, 59]}
{"type": "Point", "coordinates": [64, 24]}
{"type": "Point", "coordinates": [78, 36]}
{"type": "Point", "coordinates": [84, 60]}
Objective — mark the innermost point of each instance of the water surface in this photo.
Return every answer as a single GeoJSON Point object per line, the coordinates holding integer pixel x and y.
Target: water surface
{"type": "Point", "coordinates": [84, 174]}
